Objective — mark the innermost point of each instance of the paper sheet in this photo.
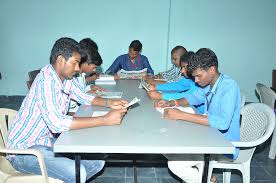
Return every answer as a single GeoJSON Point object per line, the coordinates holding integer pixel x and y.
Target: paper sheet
{"type": "Point", "coordinates": [132, 102]}
{"type": "Point", "coordinates": [99, 113]}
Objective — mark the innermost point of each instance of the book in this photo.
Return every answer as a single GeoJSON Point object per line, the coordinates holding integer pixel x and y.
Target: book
{"type": "Point", "coordinates": [144, 84]}
{"type": "Point", "coordinates": [105, 80]}
{"type": "Point", "coordinates": [132, 102]}
{"type": "Point", "coordinates": [106, 94]}
{"type": "Point", "coordinates": [132, 74]}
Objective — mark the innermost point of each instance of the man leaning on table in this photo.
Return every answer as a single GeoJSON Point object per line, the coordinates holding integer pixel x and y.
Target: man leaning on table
{"type": "Point", "coordinates": [43, 114]}
{"type": "Point", "coordinates": [221, 96]}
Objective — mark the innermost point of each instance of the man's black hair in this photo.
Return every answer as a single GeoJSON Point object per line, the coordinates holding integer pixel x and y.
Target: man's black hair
{"type": "Point", "coordinates": [89, 43]}
{"type": "Point", "coordinates": [204, 59]}
{"type": "Point", "coordinates": [187, 57]}
{"type": "Point", "coordinates": [136, 45]}
{"type": "Point", "coordinates": [90, 56]}
{"type": "Point", "coordinates": [65, 47]}
{"type": "Point", "coordinates": [178, 48]}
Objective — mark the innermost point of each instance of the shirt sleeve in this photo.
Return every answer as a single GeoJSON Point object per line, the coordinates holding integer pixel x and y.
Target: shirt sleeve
{"type": "Point", "coordinates": [177, 95]}
{"type": "Point", "coordinates": [196, 96]}
{"type": "Point", "coordinates": [115, 67]}
{"type": "Point", "coordinates": [78, 93]}
{"type": "Point", "coordinates": [168, 74]}
{"type": "Point", "coordinates": [147, 65]}
{"type": "Point", "coordinates": [179, 86]}
{"type": "Point", "coordinates": [51, 109]}
{"type": "Point", "coordinates": [220, 116]}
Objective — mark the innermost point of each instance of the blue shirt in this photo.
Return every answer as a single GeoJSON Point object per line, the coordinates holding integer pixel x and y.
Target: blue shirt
{"type": "Point", "coordinates": [222, 106]}
{"type": "Point", "coordinates": [124, 62]}
{"type": "Point", "coordinates": [178, 90]}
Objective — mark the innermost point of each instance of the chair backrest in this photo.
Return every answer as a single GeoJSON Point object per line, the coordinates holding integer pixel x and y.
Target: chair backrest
{"type": "Point", "coordinates": [267, 95]}
{"type": "Point", "coordinates": [32, 74]}
{"type": "Point", "coordinates": [258, 121]}
{"type": "Point", "coordinates": [6, 119]}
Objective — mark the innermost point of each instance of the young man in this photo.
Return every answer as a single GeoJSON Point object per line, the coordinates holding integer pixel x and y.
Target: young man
{"type": "Point", "coordinates": [174, 73]}
{"type": "Point", "coordinates": [42, 116]}
{"type": "Point", "coordinates": [221, 96]}
{"type": "Point", "coordinates": [133, 61]}
{"type": "Point", "coordinates": [88, 45]}
{"type": "Point", "coordinates": [90, 60]}
{"type": "Point", "coordinates": [174, 90]}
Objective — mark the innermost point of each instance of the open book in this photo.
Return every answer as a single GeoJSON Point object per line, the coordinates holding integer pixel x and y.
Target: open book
{"type": "Point", "coordinates": [132, 74]}
{"type": "Point", "coordinates": [184, 109]}
{"type": "Point", "coordinates": [105, 80]}
{"type": "Point", "coordinates": [132, 102]}
{"type": "Point", "coordinates": [144, 84]}
{"type": "Point", "coordinates": [106, 94]}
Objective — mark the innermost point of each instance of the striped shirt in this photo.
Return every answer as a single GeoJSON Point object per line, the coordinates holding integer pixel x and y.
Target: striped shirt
{"type": "Point", "coordinates": [43, 111]}
{"type": "Point", "coordinates": [172, 75]}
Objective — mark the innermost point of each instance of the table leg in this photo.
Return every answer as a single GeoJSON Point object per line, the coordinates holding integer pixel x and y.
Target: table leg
{"type": "Point", "coordinates": [77, 167]}
{"type": "Point", "coordinates": [206, 167]}
{"type": "Point", "coordinates": [134, 171]}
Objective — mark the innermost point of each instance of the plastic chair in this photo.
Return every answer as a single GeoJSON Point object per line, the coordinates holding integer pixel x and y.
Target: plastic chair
{"type": "Point", "coordinates": [258, 121]}
{"type": "Point", "coordinates": [7, 173]}
{"type": "Point", "coordinates": [268, 97]}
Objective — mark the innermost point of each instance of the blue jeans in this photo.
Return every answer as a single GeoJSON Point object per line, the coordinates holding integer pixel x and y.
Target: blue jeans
{"type": "Point", "coordinates": [57, 166]}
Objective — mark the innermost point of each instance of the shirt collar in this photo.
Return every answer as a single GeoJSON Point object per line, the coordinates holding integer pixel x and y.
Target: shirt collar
{"type": "Point", "coordinates": [50, 71]}
{"type": "Point", "coordinates": [214, 88]}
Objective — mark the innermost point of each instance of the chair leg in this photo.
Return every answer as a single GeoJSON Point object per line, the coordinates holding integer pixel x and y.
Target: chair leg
{"type": "Point", "coordinates": [272, 150]}
{"type": "Point", "coordinates": [210, 171]}
{"type": "Point", "coordinates": [246, 172]}
{"type": "Point", "coordinates": [226, 176]}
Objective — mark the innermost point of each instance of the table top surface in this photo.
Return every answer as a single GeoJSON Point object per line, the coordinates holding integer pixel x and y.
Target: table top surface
{"type": "Point", "coordinates": [143, 130]}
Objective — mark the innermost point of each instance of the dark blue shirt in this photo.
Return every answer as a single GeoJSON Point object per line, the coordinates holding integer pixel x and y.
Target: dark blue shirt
{"type": "Point", "coordinates": [124, 62]}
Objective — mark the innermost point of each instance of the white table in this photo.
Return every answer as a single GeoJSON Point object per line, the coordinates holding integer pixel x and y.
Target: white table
{"type": "Point", "coordinates": [143, 130]}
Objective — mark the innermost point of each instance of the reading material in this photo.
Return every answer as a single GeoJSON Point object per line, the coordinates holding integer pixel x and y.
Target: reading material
{"type": "Point", "coordinates": [105, 80]}
{"type": "Point", "coordinates": [99, 113]}
{"type": "Point", "coordinates": [106, 94]}
{"type": "Point", "coordinates": [132, 74]}
{"type": "Point", "coordinates": [132, 102]}
{"type": "Point", "coordinates": [144, 84]}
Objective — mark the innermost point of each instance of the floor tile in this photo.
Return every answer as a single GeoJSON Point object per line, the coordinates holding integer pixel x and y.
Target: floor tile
{"type": "Point", "coordinates": [114, 172]}
{"type": "Point", "coordinates": [145, 172]}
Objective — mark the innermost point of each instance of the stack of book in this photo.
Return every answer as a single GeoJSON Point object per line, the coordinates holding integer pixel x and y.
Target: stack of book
{"type": "Point", "coordinates": [105, 80]}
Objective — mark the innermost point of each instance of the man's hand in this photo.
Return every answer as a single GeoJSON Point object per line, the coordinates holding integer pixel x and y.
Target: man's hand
{"type": "Point", "coordinates": [152, 87]}
{"type": "Point", "coordinates": [116, 77]}
{"type": "Point", "coordinates": [114, 117]}
{"type": "Point", "coordinates": [150, 81]}
{"type": "Point", "coordinates": [117, 104]}
{"type": "Point", "coordinates": [158, 76]}
{"type": "Point", "coordinates": [172, 113]}
{"type": "Point", "coordinates": [91, 78]}
{"type": "Point", "coordinates": [164, 103]}
{"type": "Point", "coordinates": [155, 95]}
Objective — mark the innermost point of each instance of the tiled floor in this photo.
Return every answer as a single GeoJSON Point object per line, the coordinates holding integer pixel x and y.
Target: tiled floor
{"type": "Point", "coordinates": [262, 168]}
